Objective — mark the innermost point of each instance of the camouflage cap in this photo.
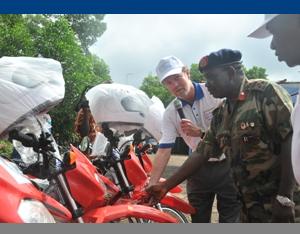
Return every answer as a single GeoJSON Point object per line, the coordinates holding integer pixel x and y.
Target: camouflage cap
{"type": "Point", "coordinates": [221, 57]}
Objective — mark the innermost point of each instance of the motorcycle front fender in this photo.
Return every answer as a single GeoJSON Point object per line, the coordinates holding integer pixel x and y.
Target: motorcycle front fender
{"type": "Point", "coordinates": [177, 203]}
{"type": "Point", "coordinates": [110, 213]}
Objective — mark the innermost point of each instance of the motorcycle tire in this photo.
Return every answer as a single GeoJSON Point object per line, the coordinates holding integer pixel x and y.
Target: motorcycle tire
{"type": "Point", "coordinates": [132, 220]}
{"type": "Point", "coordinates": [178, 215]}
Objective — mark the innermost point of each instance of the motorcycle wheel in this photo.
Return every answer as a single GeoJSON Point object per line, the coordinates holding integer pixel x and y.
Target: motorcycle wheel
{"type": "Point", "coordinates": [178, 215]}
{"type": "Point", "coordinates": [132, 220]}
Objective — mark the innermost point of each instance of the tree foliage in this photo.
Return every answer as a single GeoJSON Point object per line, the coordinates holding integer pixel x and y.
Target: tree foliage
{"type": "Point", "coordinates": [15, 37]}
{"type": "Point", "coordinates": [256, 73]}
{"type": "Point", "coordinates": [195, 75]}
{"type": "Point", "coordinates": [152, 87]}
{"type": "Point", "coordinates": [64, 38]}
{"type": "Point", "coordinates": [87, 27]}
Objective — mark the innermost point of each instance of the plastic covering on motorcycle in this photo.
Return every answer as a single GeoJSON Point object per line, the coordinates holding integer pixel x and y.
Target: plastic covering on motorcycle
{"type": "Point", "coordinates": [28, 86]}
{"type": "Point", "coordinates": [126, 108]}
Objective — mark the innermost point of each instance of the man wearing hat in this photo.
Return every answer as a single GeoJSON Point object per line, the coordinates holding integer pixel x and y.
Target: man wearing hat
{"type": "Point", "coordinates": [197, 105]}
{"type": "Point", "coordinates": [252, 128]}
{"type": "Point", "coordinates": [285, 30]}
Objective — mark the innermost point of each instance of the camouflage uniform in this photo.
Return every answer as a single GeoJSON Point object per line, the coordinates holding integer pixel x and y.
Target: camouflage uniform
{"type": "Point", "coordinates": [250, 135]}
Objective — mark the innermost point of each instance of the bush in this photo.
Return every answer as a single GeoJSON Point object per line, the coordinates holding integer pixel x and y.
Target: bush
{"type": "Point", "coordinates": [6, 148]}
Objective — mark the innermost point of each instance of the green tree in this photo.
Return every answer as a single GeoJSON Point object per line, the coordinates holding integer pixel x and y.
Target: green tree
{"type": "Point", "coordinates": [195, 74]}
{"type": "Point", "coordinates": [152, 87]}
{"type": "Point", "coordinates": [57, 40]}
{"type": "Point", "coordinates": [6, 148]}
{"type": "Point", "coordinates": [54, 37]}
{"type": "Point", "coordinates": [87, 27]}
{"type": "Point", "coordinates": [256, 73]}
{"type": "Point", "coordinates": [15, 38]}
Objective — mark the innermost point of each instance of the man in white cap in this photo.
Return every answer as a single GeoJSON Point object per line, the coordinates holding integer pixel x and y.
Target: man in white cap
{"type": "Point", "coordinates": [197, 104]}
{"type": "Point", "coordinates": [285, 30]}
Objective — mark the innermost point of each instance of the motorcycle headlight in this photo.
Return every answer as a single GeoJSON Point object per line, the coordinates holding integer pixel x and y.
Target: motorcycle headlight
{"type": "Point", "coordinates": [31, 211]}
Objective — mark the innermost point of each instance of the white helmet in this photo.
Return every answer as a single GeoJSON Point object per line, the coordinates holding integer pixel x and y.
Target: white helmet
{"type": "Point", "coordinates": [125, 107]}
{"type": "Point", "coordinates": [28, 86]}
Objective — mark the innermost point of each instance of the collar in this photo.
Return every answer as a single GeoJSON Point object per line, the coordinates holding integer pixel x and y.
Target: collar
{"type": "Point", "coordinates": [242, 93]}
{"type": "Point", "coordinates": [198, 94]}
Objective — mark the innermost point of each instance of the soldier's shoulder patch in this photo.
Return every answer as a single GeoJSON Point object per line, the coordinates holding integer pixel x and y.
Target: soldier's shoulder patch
{"type": "Point", "coordinates": [257, 85]}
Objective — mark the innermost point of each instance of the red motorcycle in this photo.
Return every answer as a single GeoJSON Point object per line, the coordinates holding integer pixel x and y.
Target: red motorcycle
{"type": "Point", "coordinates": [30, 87]}
{"type": "Point", "coordinates": [129, 173]}
{"type": "Point", "coordinates": [76, 184]}
{"type": "Point", "coordinates": [22, 202]}
{"type": "Point", "coordinates": [127, 110]}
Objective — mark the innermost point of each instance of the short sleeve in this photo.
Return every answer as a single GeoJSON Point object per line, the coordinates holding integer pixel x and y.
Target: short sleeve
{"type": "Point", "coordinates": [169, 131]}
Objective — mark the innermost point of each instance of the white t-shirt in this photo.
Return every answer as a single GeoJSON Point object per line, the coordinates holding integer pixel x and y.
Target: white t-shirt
{"type": "Point", "coordinates": [295, 118]}
{"type": "Point", "coordinates": [200, 113]}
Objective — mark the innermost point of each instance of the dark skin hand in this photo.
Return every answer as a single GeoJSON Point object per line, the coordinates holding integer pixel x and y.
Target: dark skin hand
{"type": "Point", "coordinates": [280, 213]}
{"type": "Point", "coordinates": [189, 167]}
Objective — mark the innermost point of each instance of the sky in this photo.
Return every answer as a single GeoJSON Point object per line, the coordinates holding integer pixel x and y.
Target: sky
{"type": "Point", "coordinates": [133, 43]}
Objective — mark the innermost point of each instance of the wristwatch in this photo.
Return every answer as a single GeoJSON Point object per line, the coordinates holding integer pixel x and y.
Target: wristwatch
{"type": "Point", "coordinates": [285, 201]}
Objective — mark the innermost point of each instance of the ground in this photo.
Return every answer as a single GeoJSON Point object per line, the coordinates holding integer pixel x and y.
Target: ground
{"type": "Point", "coordinates": [174, 163]}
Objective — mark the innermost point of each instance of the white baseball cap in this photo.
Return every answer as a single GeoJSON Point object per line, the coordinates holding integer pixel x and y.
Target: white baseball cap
{"type": "Point", "coordinates": [262, 31]}
{"type": "Point", "coordinates": [168, 66]}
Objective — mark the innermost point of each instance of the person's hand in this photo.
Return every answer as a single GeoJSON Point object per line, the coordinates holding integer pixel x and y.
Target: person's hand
{"type": "Point", "coordinates": [189, 128]}
{"type": "Point", "coordinates": [157, 192]}
{"type": "Point", "coordinates": [282, 214]}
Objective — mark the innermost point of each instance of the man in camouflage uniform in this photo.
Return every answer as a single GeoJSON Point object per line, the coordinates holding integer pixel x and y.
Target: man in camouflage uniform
{"type": "Point", "coordinates": [253, 129]}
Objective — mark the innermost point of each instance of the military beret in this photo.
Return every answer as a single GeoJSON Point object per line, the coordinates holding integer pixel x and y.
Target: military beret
{"type": "Point", "coordinates": [222, 57]}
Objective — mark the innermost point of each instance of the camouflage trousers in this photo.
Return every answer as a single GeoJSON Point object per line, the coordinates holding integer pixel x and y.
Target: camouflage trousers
{"type": "Point", "coordinates": [258, 209]}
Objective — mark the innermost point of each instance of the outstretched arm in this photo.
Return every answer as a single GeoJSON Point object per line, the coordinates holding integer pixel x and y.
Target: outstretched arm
{"type": "Point", "coordinates": [159, 164]}
{"type": "Point", "coordinates": [189, 167]}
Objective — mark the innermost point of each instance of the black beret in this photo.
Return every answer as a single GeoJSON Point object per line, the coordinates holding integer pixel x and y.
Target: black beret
{"type": "Point", "coordinates": [222, 57]}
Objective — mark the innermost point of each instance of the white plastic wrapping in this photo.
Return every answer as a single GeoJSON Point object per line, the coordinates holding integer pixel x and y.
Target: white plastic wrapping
{"type": "Point", "coordinates": [28, 86]}
{"type": "Point", "coordinates": [154, 118]}
{"type": "Point", "coordinates": [100, 145]}
{"type": "Point", "coordinates": [33, 124]}
{"type": "Point", "coordinates": [126, 108]}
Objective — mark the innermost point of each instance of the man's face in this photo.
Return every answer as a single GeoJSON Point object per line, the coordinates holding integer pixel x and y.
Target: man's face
{"type": "Point", "coordinates": [178, 85]}
{"type": "Point", "coordinates": [286, 38]}
{"type": "Point", "coordinates": [218, 82]}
